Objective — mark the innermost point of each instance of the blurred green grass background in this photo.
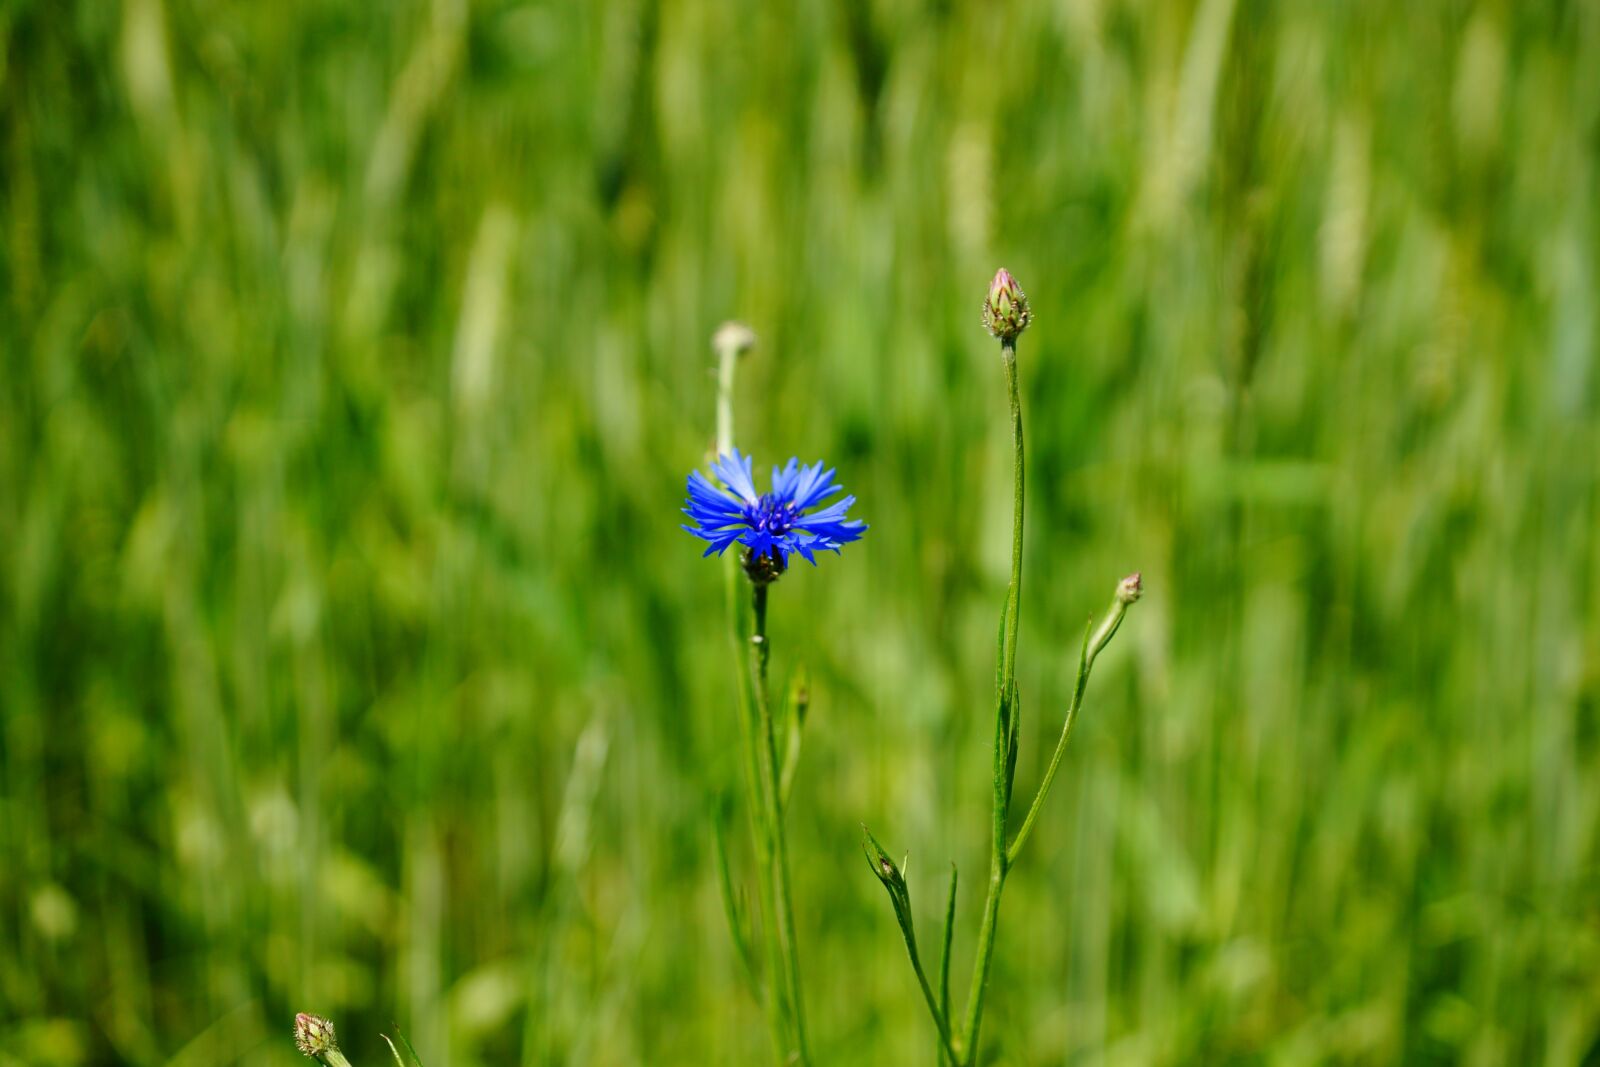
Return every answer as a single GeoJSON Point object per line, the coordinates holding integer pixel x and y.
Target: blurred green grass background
{"type": "Point", "coordinates": [352, 661]}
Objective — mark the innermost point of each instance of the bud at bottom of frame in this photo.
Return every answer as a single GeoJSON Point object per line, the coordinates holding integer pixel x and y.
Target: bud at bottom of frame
{"type": "Point", "coordinates": [313, 1035]}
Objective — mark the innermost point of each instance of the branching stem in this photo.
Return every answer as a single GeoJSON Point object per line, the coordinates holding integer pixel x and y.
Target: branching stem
{"type": "Point", "coordinates": [1092, 646]}
{"type": "Point", "coordinates": [1006, 708]}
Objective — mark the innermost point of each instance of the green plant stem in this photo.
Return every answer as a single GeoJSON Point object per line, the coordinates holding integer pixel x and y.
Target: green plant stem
{"type": "Point", "coordinates": [1008, 359]}
{"type": "Point", "coordinates": [980, 968]}
{"type": "Point", "coordinates": [778, 855]}
{"type": "Point", "coordinates": [760, 824]}
{"type": "Point", "coordinates": [946, 1049]}
{"type": "Point", "coordinates": [761, 834]}
{"type": "Point", "coordinates": [940, 1013]}
{"type": "Point", "coordinates": [1091, 650]}
{"type": "Point", "coordinates": [1006, 707]}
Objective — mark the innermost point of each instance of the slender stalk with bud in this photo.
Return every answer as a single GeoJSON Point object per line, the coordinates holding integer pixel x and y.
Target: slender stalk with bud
{"type": "Point", "coordinates": [794, 519]}
{"type": "Point", "coordinates": [731, 341]}
{"type": "Point", "coordinates": [1005, 315]}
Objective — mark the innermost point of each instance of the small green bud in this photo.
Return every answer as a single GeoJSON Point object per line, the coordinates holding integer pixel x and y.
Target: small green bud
{"type": "Point", "coordinates": [892, 876]}
{"type": "Point", "coordinates": [1005, 310]}
{"type": "Point", "coordinates": [313, 1035]}
{"type": "Point", "coordinates": [1129, 590]}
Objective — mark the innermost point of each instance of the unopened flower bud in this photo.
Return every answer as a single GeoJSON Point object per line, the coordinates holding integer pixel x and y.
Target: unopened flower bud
{"type": "Point", "coordinates": [313, 1035]}
{"type": "Point", "coordinates": [892, 876]}
{"type": "Point", "coordinates": [1128, 591]}
{"type": "Point", "coordinates": [733, 335]}
{"type": "Point", "coordinates": [1005, 309]}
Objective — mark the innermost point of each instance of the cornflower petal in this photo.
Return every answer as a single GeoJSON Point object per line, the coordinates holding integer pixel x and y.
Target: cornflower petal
{"type": "Point", "coordinates": [833, 513]}
{"type": "Point", "coordinates": [814, 485]}
{"type": "Point", "coordinates": [736, 473]}
{"type": "Point", "coordinates": [783, 479]}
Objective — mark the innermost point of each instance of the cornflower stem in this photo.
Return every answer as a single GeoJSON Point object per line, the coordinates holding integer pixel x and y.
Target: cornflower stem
{"type": "Point", "coordinates": [1091, 649]}
{"type": "Point", "coordinates": [774, 1002]}
{"type": "Point", "coordinates": [947, 1052]}
{"type": "Point", "coordinates": [778, 855]}
{"type": "Point", "coordinates": [1008, 359]}
{"type": "Point", "coordinates": [940, 1016]}
{"type": "Point", "coordinates": [1006, 711]}
{"type": "Point", "coordinates": [1005, 314]}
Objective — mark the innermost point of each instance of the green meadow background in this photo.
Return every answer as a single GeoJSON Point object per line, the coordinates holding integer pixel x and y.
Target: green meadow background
{"type": "Point", "coordinates": [352, 660]}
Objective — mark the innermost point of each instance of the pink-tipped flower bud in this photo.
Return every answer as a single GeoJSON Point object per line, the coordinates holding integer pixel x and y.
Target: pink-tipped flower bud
{"type": "Point", "coordinates": [1005, 309]}
{"type": "Point", "coordinates": [313, 1035]}
{"type": "Point", "coordinates": [1130, 588]}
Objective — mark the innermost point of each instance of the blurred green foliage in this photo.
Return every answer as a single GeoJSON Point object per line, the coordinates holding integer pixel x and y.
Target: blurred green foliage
{"type": "Point", "coordinates": [351, 660]}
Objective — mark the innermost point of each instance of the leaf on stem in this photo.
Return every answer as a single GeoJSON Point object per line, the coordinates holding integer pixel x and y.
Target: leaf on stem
{"type": "Point", "coordinates": [1000, 650]}
{"type": "Point", "coordinates": [1002, 764]}
{"type": "Point", "coordinates": [410, 1059]}
{"type": "Point", "coordinates": [1014, 724]}
{"type": "Point", "coordinates": [799, 704]}
{"type": "Point", "coordinates": [731, 901]}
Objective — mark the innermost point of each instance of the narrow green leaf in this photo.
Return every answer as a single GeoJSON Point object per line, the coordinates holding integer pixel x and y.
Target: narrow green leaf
{"type": "Point", "coordinates": [1014, 723]}
{"type": "Point", "coordinates": [406, 1044]}
{"type": "Point", "coordinates": [730, 900]}
{"type": "Point", "coordinates": [799, 703]}
{"type": "Point", "coordinates": [410, 1059]}
{"type": "Point", "coordinates": [1000, 649]}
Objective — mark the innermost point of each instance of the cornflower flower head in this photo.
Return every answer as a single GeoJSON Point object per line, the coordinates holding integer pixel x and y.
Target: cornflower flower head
{"type": "Point", "coordinates": [770, 526]}
{"type": "Point", "coordinates": [1005, 309]}
{"type": "Point", "coordinates": [314, 1035]}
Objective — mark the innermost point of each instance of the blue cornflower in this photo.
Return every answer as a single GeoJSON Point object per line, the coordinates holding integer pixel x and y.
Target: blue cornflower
{"type": "Point", "coordinates": [771, 526]}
